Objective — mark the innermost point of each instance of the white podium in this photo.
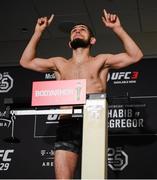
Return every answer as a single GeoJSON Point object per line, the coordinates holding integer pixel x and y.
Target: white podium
{"type": "Point", "coordinates": [95, 138]}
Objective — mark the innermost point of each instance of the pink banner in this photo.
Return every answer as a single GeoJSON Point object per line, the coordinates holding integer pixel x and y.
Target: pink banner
{"type": "Point", "coordinates": [63, 92]}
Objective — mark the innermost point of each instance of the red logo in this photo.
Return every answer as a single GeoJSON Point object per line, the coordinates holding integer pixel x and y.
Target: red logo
{"type": "Point", "coordinates": [64, 92]}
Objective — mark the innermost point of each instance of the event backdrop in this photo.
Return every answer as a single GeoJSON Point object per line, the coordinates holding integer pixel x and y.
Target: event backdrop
{"type": "Point", "coordinates": [132, 125]}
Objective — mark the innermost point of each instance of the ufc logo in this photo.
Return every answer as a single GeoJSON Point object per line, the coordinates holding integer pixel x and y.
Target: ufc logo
{"type": "Point", "coordinates": [4, 154]}
{"type": "Point", "coordinates": [123, 75]}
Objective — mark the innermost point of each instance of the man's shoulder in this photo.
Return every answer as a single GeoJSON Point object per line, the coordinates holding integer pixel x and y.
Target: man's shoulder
{"type": "Point", "coordinates": [102, 56]}
{"type": "Point", "coordinates": [58, 59]}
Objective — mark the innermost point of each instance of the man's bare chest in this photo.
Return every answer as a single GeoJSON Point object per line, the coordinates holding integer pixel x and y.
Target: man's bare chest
{"type": "Point", "coordinates": [79, 70]}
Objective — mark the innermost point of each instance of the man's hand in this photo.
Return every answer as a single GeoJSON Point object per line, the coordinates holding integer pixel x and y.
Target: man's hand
{"type": "Point", "coordinates": [43, 23]}
{"type": "Point", "coordinates": [110, 20]}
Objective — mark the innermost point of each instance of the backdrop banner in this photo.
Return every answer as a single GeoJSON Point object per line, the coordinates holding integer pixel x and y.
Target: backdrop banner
{"type": "Point", "coordinates": [132, 125]}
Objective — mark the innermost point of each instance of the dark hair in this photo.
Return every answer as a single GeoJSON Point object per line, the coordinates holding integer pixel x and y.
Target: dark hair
{"type": "Point", "coordinates": [67, 26]}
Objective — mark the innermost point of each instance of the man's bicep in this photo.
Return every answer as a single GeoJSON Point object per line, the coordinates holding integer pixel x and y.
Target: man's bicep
{"type": "Point", "coordinates": [43, 65]}
{"type": "Point", "coordinates": [118, 61]}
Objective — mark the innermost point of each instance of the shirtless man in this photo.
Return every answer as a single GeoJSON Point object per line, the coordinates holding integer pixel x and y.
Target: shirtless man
{"type": "Point", "coordinates": [80, 66]}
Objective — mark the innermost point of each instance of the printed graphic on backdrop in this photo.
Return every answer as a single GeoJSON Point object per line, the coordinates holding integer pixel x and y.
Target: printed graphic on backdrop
{"type": "Point", "coordinates": [128, 77]}
{"type": "Point", "coordinates": [45, 126]}
{"type": "Point", "coordinates": [132, 125]}
{"type": "Point", "coordinates": [134, 116]}
{"type": "Point", "coordinates": [5, 125]}
{"type": "Point", "coordinates": [50, 76]}
{"type": "Point", "coordinates": [5, 159]}
{"type": "Point", "coordinates": [126, 118]}
{"type": "Point", "coordinates": [117, 159]}
{"type": "Point", "coordinates": [6, 82]}
{"type": "Point", "coordinates": [47, 158]}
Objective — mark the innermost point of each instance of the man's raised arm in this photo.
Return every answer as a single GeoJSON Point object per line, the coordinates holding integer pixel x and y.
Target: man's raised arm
{"type": "Point", "coordinates": [132, 53]}
{"type": "Point", "coordinates": [28, 59]}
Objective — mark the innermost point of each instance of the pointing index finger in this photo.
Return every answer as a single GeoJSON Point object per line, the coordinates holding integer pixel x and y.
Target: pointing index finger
{"type": "Point", "coordinates": [105, 13]}
{"type": "Point", "coordinates": [51, 18]}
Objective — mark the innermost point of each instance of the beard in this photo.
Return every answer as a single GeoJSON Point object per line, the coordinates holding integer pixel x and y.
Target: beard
{"type": "Point", "coordinates": [80, 43]}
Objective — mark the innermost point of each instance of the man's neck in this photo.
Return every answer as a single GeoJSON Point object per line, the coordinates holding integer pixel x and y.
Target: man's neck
{"type": "Point", "coordinates": [80, 55]}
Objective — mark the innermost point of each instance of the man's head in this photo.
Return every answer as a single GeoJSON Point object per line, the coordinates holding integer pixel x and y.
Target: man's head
{"type": "Point", "coordinates": [81, 36]}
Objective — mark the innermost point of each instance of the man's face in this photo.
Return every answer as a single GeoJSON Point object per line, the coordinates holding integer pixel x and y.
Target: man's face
{"type": "Point", "coordinates": [80, 37]}
{"type": "Point", "coordinates": [79, 31]}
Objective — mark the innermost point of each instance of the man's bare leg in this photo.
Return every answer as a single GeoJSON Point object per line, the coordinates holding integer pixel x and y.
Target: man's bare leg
{"type": "Point", "coordinates": [65, 164]}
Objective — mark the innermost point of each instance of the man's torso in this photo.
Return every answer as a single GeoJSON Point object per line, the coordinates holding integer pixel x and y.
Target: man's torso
{"type": "Point", "coordinates": [92, 70]}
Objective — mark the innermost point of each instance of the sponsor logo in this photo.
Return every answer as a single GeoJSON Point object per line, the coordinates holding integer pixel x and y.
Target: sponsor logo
{"type": "Point", "coordinates": [6, 82]}
{"type": "Point", "coordinates": [123, 77]}
{"type": "Point", "coordinates": [50, 76]}
{"type": "Point", "coordinates": [117, 159]}
{"type": "Point", "coordinates": [78, 90]}
{"type": "Point", "coordinates": [51, 118]}
{"type": "Point", "coordinates": [47, 157]}
{"type": "Point", "coordinates": [61, 92]}
{"type": "Point", "coordinates": [3, 121]}
{"type": "Point", "coordinates": [5, 159]}
{"type": "Point", "coordinates": [56, 92]}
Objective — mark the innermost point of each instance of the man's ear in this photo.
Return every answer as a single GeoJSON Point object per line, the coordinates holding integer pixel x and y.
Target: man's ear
{"type": "Point", "coordinates": [70, 44]}
{"type": "Point", "coordinates": [93, 40]}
